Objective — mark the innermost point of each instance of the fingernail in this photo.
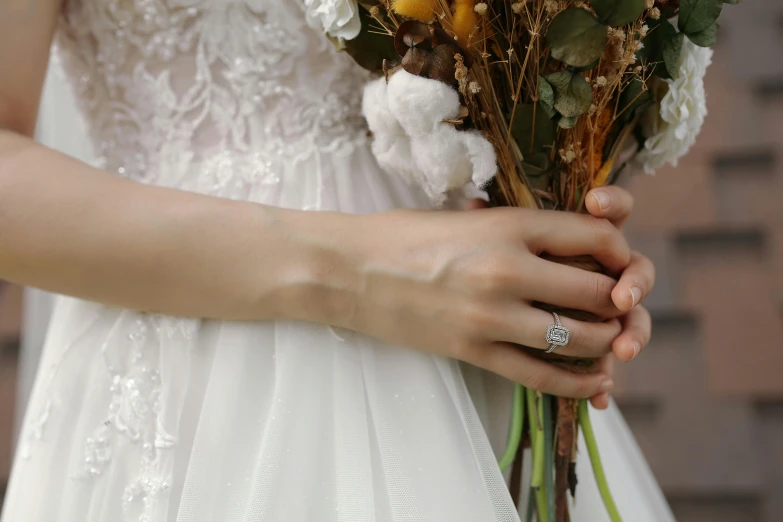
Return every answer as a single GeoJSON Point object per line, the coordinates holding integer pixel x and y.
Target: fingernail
{"type": "Point", "coordinates": [636, 296]}
{"type": "Point", "coordinates": [607, 385]}
{"type": "Point", "coordinates": [636, 348]}
{"type": "Point", "coordinates": [603, 199]}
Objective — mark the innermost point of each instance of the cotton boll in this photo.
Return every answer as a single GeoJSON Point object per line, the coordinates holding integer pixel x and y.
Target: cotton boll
{"type": "Point", "coordinates": [394, 156]}
{"type": "Point", "coordinates": [412, 141]}
{"type": "Point", "coordinates": [482, 157]}
{"type": "Point", "coordinates": [442, 158]}
{"type": "Point", "coordinates": [375, 107]}
{"type": "Point", "coordinates": [421, 104]}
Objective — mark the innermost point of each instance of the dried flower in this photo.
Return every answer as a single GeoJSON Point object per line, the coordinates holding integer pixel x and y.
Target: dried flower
{"type": "Point", "coordinates": [464, 20]}
{"type": "Point", "coordinates": [593, 109]}
{"type": "Point", "coordinates": [474, 87]}
{"type": "Point", "coordinates": [655, 13]}
{"type": "Point", "coordinates": [460, 73]}
{"type": "Point", "coordinates": [421, 10]}
{"type": "Point", "coordinates": [682, 111]}
{"type": "Point", "coordinates": [568, 154]}
{"type": "Point", "coordinates": [551, 6]}
{"type": "Point", "coordinates": [615, 34]}
{"type": "Point", "coordinates": [637, 69]}
{"type": "Point", "coordinates": [649, 4]}
{"type": "Point", "coordinates": [601, 81]}
{"type": "Point", "coordinates": [481, 8]}
{"type": "Point", "coordinates": [643, 30]}
{"type": "Point", "coordinates": [517, 7]}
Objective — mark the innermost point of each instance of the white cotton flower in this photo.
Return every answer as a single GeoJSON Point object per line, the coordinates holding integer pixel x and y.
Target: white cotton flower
{"type": "Point", "coordinates": [682, 113]}
{"type": "Point", "coordinates": [406, 117]}
{"type": "Point", "coordinates": [338, 18]}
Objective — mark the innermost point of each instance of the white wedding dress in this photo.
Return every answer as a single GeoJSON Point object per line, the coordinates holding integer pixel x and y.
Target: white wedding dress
{"type": "Point", "coordinates": [146, 418]}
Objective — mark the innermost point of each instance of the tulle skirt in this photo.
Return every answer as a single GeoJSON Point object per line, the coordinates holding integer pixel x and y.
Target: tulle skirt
{"type": "Point", "coordinates": [143, 417]}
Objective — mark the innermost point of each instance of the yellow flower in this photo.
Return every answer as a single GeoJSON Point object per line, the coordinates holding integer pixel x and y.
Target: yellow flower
{"type": "Point", "coordinates": [421, 10]}
{"type": "Point", "coordinates": [465, 20]}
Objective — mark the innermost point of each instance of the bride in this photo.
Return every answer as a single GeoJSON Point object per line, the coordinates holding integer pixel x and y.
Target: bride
{"type": "Point", "coordinates": [262, 326]}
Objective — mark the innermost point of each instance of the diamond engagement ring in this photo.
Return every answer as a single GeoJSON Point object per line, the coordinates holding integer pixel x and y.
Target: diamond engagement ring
{"type": "Point", "coordinates": [556, 334]}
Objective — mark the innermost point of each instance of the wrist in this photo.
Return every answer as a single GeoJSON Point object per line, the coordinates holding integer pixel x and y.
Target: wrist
{"type": "Point", "coordinates": [320, 274]}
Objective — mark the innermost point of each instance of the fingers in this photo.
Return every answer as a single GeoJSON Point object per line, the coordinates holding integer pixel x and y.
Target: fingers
{"type": "Point", "coordinates": [518, 366]}
{"type": "Point", "coordinates": [475, 204]}
{"type": "Point", "coordinates": [569, 287]}
{"type": "Point", "coordinates": [601, 400]}
{"type": "Point", "coordinates": [528, 326]}
{"type": "Point", "coordinates": [635, 282]}
{"type": "Point", "coordinates": [612, 203]}
{"type": "Point", "coordinates": [570, 234]}
{"type": "Point", "coordinates": [637, 328]}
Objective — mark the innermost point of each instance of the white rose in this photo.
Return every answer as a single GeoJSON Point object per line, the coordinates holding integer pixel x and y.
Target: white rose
{"type": "Point", "coordinates": [682, 113]}
{"type": "Point", "coordinates": [338, 18]}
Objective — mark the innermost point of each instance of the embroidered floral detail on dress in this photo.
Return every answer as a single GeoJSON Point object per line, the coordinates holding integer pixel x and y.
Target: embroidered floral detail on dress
{"type": "Point", "coordinates": [135, 413]}
{"type": "Point", "coordinates": [165, 84]}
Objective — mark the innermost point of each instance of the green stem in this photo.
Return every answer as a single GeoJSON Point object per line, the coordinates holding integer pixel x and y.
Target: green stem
{"type": "Point", "coordinates": [595, 461]}
{"type": "Point", "coordinates": [531, 505]}
{"type": "Point", "coordinates": [535, 405]}
{"type": "Point", "coordinates": [549, 456]}
{"type": "Point", "coordinates": [537, 442]}
{"type": "Point", "coordinates": [515, 430]}
{"type": "Point", "coordinates": [543, 513]}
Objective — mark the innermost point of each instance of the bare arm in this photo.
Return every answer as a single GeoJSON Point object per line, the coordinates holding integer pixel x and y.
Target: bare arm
{"type": "Point", "coordinates": [460, 284]}
{"type": "Point", "coordinates": [73, 229]}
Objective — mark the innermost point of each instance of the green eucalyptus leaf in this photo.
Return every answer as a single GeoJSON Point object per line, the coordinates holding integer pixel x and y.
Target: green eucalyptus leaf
{"type": "Point", "coordinates": [659, 32]}
{"type": "Point", "coordinates": [532, 129]}
{"type": "Point", "coordinates": [370, 49]}
{"type": "Point", "coordinates": [697, 15]}
{"type": "Point", "coordinates": [588, 67]}
{"type": "Point", "coordinates": [618, 12]}
{"type": "Point", "coordinates": [634, 99]}
{"type": "Point", "coordinates": [576, 37]}
{"type": "Point", "coordinates": [546, 96]}
{"type": "Point", "coordinates": [573, 94]}
{"type": "Point", "coordinates": [707, 37]}
{"type": "Point", "coordinates": [567, 123]}
{"type": "Point", "coordinates": [671, 54]}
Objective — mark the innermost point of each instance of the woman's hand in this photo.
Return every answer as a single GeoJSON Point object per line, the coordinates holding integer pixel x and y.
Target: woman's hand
{"type": "Point", "coordinates": [636, 281]}
{"type": "Point", "coordinates": [461, 284]}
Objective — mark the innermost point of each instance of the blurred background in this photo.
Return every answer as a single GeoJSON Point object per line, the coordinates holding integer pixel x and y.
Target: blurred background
{"type": "Point", "coordinates": [705, 401]}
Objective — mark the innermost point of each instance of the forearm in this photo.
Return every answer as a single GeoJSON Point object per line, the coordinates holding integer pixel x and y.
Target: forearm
{"type": "Point", "coordinates": [75, 230]}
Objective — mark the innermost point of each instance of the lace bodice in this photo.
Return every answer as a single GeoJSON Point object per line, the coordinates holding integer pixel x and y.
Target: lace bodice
{"type": "Point", "coordinates": [166, 84]}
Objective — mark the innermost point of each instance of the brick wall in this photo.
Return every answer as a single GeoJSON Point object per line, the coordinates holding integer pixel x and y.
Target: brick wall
{"type": "Point", "coordinates": [706, 399]}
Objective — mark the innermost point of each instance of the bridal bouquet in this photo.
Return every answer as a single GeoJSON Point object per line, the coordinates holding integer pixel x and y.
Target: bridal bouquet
{"type": "Point", "coordinates": [535, 102]}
